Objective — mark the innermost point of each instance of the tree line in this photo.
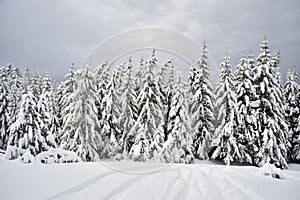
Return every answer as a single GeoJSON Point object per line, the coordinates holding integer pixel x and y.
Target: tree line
{"type": "Point", "coordinates": [149, 113]}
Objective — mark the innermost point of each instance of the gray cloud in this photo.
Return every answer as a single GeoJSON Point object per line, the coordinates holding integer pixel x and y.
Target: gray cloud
{"type": "Point", "coordinates": [49, 35]}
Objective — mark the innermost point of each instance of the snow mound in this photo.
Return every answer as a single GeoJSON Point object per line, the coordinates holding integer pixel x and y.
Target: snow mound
{"type": "Point", "coordinates": [57, 156]}
{"type": "Point", "coordinates": [12, 153]}
{"type": "Point", "coordinates": [27, 157]}
{"type": "Point", "coordinates": [271, 170]}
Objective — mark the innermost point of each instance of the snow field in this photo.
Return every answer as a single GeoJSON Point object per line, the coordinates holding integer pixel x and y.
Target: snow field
{"type": "Point", "coordinates": [134, 180]}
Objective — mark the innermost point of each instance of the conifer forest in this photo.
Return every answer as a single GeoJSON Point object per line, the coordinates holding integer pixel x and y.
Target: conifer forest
{"type": "Point", "coordinates": [151, 113]}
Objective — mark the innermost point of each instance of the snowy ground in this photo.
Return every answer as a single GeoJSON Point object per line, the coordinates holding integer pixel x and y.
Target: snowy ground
{"type": "Point", "coordinates": [204, 180]}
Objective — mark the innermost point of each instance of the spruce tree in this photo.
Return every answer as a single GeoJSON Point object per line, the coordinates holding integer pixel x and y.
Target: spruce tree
{"type": "Point", "coordinates": [86, 141]}
{"type": "Point", "coordinates": [273, 143]}
{"type": "Point", "coordinates": [246, 120]}
{"type": "Point", "coordinates": [45, 106]}
{"type": "Point", "coordinates": [148, 129]}
{"type": "Point", "coordinates": [128, 107]}
{"type": "Point", "coordinates": [4, 109]}
{"type": "Point", "coordinates": [225, 139]}
{"type": "Point", "coordinates": [16, 85]}
{"type": "Point", "coordinates": [162, 78]}
{"type": "Point", "coordinates": [169, 92]}
{"type": "Point", "coordinates": [68, 87]}
{"type": "Point", "coordinates": [178, 147]}
{"type": "Point", "coordinates": [292, 111]}
{"type": "Point", "coordinates": [201, 106]}
{"type": "Point", "coordinates": [26, 137]}
{"type": "Point", "coordinates": [109, 124]}
{"type": "Point", "coordinates": [102, 79]}
{"type": "Point", "coordinates": [10, 87]}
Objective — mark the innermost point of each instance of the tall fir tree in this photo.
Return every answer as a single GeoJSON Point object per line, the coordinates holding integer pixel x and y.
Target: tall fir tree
{"type": "Point", "coordinates": [109, 125]}
{"type": "Point", "coordinates": [10, 86]}
{"type": "Point", "coordinates": [4, 108]}
{"type": "Point", "coordinates": [201, 106]}
{"type": "Point", "coordinates": [128, 107]}
{"type": "Point", "coordinates": [272, 128]}
{"type": "Point", "coordinates": [162, 81]}
{"type": "Point", "coordinates": [85, 115]}
{"type": "Point", "coordinates": [225, 141]}
{"type": "Point", "coordinates": [102, 78]}
{"type": "Point", "coordinates": [169, 92]}
{"type": "Point", "coordinates": [45, 106]}
{"type": "Point", "coordinates": [148, 129]}
{"type": "Point", "coordinates": [292, 112]}
{"type": "Point", "coordinates": [68, 87]}
{"type": "Point", "coordinates": [16, 86]}
{"type": "Point", "coordinates": [26, 139]}
{"type": "Point", "coordinates": [246, 120]}
{"type": "Point", "coordinates": [178, 147]}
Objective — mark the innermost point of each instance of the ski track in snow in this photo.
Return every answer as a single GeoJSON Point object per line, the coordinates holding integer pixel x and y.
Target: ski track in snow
{"type": "Point", "coordinates": [75, 189]}
{"type": "Point", "coordinates": [225, 189]}
{"type": "Point", "coordinates": [81, 186]}
{"type": "Point", "coordinates": [189, 190]}
{"type": "Point", "coordinates": [69, 193]}
{"type": "Point", "coordinates": [211, 192]}
{"type": "Point", "coordinates": [171, 186]}
{"type": "Point", "coordinates": [122, 187]}
{"type": "Point", "coordinates": [130, 183]}
{"type": "Point", "coordinates": [242, 187]}
{"type": "Point", "coordinates": [190, 182]}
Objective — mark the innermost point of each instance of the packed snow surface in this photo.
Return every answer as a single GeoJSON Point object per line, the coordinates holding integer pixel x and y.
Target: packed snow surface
{"type": "Point", "coordinates": [133, 180]}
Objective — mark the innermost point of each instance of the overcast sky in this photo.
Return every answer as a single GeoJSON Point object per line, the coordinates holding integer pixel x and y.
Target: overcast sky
{"type": "Point", "coordinates": [48, 35]}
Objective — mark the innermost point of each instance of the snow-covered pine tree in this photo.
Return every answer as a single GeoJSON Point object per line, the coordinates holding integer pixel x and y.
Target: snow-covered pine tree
{"type": "Point", "coordinates": [57, 98]}
{"type": "Point", "coordinates": [109, 124]}
{"type": "Point", "coordinates": [45, 106]}
{"type": "Point", "coordinates": [128, 107]}
{"type": "Point", "coordinates": [225, 139]}
{"type": "Point", "coordinates": [68, 87]}
{"type": "Point", "coordinates": [86, 141]}
{"type": "Point", "coordinates": [296, 141]}
{"type": "Point", "coordinates": [275, 63]}
{"type": "Point", "coordinates": [10, 86]}
{"type": "Point", "coordinates": [178, 147]}
{"type": "Point", "coordinates": [4, 108]}
{"type": "Point", "coordinates": [16, 86]}
{"type": "Point", "coordinates": [148, 129]}
{"type": "Point", "coordinates": [272, 127]}
{"type": "Point", "coordinates": [169, 91]}
{"type": "Point", "coordinates": [292, 112]}
{"type": "Point", "coordinates": [102, 79]}
{"type": "Point", "coordinates": [201, 106]}
{"type": "Point", "coordinates": [246, 120]}
{"type": "Point", "coordinates": [26, 139]}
